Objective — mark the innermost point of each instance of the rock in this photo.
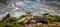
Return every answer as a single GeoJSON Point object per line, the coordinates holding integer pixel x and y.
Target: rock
{"type": "Point", "coordinates": [24, 21]}
{"type": "Point", "coordinates": [33, 20]}
{"type": "Point", "coordinates": [40, 19]}
{"type": "Point", "coordinates": [6, 15]}
{"type": "Point", "coordinates": [28, 12]}
{"type": "Point", "coordinates": [46, 14]}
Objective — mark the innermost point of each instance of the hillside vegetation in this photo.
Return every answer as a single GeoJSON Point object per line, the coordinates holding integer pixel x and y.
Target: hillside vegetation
{"type": "Point", "coordinates": [13, 21]}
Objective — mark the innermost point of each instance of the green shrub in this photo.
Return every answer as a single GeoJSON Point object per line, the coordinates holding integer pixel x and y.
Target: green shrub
{"type": "Point", "coordinates": [53, 18]}
{"type": "Point", "coordinates": [10, 22]}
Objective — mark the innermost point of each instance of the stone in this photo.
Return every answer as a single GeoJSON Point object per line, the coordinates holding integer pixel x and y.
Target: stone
{"type": "Point", "coordinates": [28, 12]}
{"type": "Point", "coordinates": [33, 22]}
{"type": "Point", "coordinates": [6, 15]}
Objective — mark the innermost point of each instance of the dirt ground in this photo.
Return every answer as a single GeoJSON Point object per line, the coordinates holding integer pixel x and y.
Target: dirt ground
{"type": "Point", "coordinates": [57, 24]}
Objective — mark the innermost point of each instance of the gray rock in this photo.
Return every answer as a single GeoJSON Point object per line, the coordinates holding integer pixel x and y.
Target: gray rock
{"type": "Point", "coordinates": [6, 15]}
{"type": "Point", "coordinates": [33, 22]}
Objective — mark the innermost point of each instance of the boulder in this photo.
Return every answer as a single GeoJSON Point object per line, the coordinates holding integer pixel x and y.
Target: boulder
{"type": "Point", "coordinates": [6, 15]}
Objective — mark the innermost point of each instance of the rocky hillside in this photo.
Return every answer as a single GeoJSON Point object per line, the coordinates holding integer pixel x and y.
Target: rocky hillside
{"type": "Point", "coordinates": [30, 20]}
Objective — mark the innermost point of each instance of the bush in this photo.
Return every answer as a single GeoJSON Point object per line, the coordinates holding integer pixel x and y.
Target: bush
{"type": "Point", "coordinates": [10, 22]}
{"type": "Point", "coordinates": [53, 18]}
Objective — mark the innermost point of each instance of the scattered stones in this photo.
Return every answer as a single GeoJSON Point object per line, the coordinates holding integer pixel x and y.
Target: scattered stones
{"type": "Point", "coordinates": [33, 19]}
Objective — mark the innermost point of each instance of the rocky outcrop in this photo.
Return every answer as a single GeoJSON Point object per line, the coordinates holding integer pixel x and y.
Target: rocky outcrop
{"type": "Point", "coordinates": [39, 18]}
{"type": "Point", "coordinates": [6, 15]}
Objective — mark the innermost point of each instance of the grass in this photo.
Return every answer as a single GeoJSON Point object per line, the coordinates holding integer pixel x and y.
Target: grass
{"type": "Point", "coordinates": [53, 18]}
{"type": "Point", "coordinates": [10, 22]}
